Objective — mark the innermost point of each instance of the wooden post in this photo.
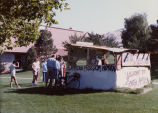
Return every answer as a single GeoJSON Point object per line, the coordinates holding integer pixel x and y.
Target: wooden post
{"type": "Point", "coordinates": [118, 61]}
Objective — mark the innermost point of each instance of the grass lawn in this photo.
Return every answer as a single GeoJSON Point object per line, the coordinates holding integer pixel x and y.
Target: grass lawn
{"type": "Point", "coordinates": [38, 99]}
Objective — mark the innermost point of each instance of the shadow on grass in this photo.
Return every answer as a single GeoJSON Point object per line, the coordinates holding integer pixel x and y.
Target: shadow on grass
{"type": "Point", "coordinates": [52, 91]}
{"type": "Point", "coordinates": [4, 86]}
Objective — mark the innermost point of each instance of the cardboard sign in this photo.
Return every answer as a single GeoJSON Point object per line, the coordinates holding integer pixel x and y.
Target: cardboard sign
{"type": "Point", "coordinates": [138, 59]}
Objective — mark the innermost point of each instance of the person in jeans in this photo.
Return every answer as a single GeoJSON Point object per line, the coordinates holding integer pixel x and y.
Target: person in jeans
{"type": "Point", "coordinates": [44, 69]}
{"type": "Point", "coordinates": [52, 66]}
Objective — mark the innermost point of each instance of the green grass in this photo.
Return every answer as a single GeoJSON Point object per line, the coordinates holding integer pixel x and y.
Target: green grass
{"type": "Point", "coordinates": [38, 99]}
{"type": "Point", "coordinates": [81, 62]}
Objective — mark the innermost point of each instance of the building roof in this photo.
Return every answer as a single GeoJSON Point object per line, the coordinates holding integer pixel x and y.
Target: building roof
{"type": "Point", "coordinates": [111, 49]}
{"type": "Point", "coordinates": [59, 35]}
{"type": "Point", "coordinates": [19, 49]}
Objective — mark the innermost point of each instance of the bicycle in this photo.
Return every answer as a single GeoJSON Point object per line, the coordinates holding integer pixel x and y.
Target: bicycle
{"type": "Point", "coordinates": [70, 81]}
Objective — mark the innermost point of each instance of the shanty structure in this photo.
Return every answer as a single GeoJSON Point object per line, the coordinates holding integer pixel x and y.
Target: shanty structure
{"type": "Point", "coordinates": [127, 68]}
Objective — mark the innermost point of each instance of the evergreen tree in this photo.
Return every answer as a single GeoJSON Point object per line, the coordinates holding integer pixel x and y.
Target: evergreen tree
{"type": "Point", "coordinates": [153, 47]}
{"type": "Point", "coordinates": [44, 44]}
{"type": "Point", "coordinates": [136, 33]}
{"type": "Point", "coordinates": [30, 56]}
{"type": "Point", "coordinates": [153, 41]}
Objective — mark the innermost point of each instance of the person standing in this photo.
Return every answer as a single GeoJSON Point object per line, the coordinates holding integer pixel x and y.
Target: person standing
{"type": "Point", "coordinates": [52, 71]}
{"type": "Point", "coordinates": [99, 62]}
{"type": "Point", "coordinates": [62, 69]}
{"type": "Point", "coordinates": [62, 66]}
{"type": "Point", "coordinates": [36, 69]}
{"type": "Point", "coordinates": [104, 60]}
{"type": "Point", "coordinates": [44, 69]}
{"type": "Point", "coordinates": [13, 72]}
{"type": "Point", "coordinates": [58, 66]}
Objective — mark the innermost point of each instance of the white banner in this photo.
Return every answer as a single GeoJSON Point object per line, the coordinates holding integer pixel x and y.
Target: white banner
{"type": "Point", "coordinates": [138, 59]}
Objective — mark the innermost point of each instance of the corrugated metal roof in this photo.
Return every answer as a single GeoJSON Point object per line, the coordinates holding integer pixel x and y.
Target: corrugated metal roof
{"type": "Point", "coordinates": [115, 50]}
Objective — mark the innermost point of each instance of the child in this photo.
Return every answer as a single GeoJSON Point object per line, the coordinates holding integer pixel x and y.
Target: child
{"type": "Point", "coordinates": [44, 69]}
{"type": "Point", "coordinates": [12, 73]}
{"type": "Point", "coordinates": [36, 69]}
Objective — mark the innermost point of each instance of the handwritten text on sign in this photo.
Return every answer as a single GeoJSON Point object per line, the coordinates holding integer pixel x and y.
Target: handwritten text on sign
{"type": "Point", "coordinates": [136, 78]}
{"type": "Point", "coordinates": [138, 59]}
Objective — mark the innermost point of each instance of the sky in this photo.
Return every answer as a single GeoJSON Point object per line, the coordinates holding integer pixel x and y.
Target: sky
{"type": "Point", "coordinates": [102, 16]}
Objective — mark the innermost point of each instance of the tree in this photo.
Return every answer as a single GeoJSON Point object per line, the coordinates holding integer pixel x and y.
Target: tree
{"type": "Point", "coordinates": [96, 39]}
{"type": "Point", "coordinates": [110, 42]}
{"type": "Point", "coordinates": [153, 41]}
{"type": "Point", "coordinates": [101, 40]}
{"type": "Point", "coordinates": [153, 47]}
{"type": "Point", "coordinates": [44, 44]}
{"type": "Point", "coordinates": [30, 56]}
{"type": "Point", "coordinates": [20, 20]}
{"type": "Point", "coordinates": [72, 40]}
{"type": "Point", "coordinates": [136, 33]}
{"type": "Point", "coordinates": [2, 68]}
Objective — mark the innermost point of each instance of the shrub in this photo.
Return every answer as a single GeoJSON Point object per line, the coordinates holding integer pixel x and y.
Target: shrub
{"type": "Point", "coordinates": [1, 66]}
